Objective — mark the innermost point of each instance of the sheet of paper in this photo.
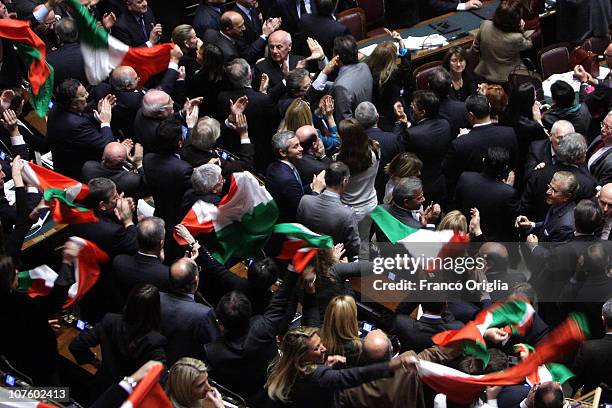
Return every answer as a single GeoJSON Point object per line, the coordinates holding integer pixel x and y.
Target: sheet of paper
{"type": "Point", "coordinates": [569, 78]}
{"type": "Point", "coordinates": [414, 43]}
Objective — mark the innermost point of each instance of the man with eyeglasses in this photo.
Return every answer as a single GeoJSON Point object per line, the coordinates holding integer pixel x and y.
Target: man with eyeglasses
{"type": "Point", "coordinates": [604, 200]}
{"type": "Point", "coordinates": [599, 158]}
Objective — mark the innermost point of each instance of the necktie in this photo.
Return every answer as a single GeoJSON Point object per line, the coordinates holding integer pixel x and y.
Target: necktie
{"type": "Point", "coordinates": [298, 178]}
{"type": "Point", "coordinates": [143, 27]}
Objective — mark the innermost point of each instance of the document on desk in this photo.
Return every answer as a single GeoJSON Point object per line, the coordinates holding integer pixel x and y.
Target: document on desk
{"type": "Point", "coordinates": [569, 78]}
{"type": "Point", "coordinates": [414, 43]}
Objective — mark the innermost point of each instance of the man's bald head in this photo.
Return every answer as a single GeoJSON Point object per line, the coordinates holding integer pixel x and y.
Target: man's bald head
{"type": "Point", "coordinates": [280, 35]}
{"type": "Point", "coordinates": [377, 346]}
{"type": "Point", "coordinates": [184, 276]}
{"type": "Point", "coordinates": [559, 129]}
{"type": "Point", "coordinates": [605, 200]}
{"type": "Point", "coordinates": [114, 155]}
{"type": "Point", "coordinates": [496, 256]}
{"type": "Point", "coordinates": [305, 132]}
{"type": "Point", "coordinates": [231, 24]}
{"type": "Point", "coordinates": [157, 104]}
{"type": "Point", "coordinates": [124, 78]}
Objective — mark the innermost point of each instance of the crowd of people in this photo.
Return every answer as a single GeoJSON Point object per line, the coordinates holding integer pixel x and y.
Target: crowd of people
{"type": "Point", "coordinates": [279, 89]}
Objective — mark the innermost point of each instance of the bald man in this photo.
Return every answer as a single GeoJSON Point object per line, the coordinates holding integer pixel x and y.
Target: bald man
{"type": "Point", "coordinates": [115, 165]}
{"type": "Point", "coordinates": [497, 260]}
{"type": "Point", "coordinates": [279, 61]}
{"type": "Point", "coordinates": [313, 160]}
{"type": "Point", "coordinates": [604, 200]}
{"type": "Point", "coordinates": [187, 325]}
{"type": "Point", "coordinates": [392, 392]}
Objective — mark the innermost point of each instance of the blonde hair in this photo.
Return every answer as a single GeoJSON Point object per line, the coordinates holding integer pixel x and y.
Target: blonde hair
{"type": "Point", "coordinates": [382, 61]}
{"type": "Point", "coordinates": [340, 325]}
{"type": "Point", "coordinates": [285, 367]}
{"type": "Point", "coordinates": [298, 114]}
{"type": "Point", "coordinates": [182, 378]}
{"type": "Point", "coordinates": [180, 34]}
{"type": "Point", "coordinates": [455, 221]}
{"type": "Point", "coordinates": [403, 165]}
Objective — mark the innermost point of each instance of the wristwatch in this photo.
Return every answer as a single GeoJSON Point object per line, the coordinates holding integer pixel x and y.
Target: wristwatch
{"type": "Point", "coordinates": [131, 382]}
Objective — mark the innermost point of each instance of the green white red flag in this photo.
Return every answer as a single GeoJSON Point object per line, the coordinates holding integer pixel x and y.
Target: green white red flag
{"type": "Point", "coordinates": [148, 392]}
{"type": "Point", "coordinates": [547, 372]}
{"type": "Point", "coordinates": [300, 244]}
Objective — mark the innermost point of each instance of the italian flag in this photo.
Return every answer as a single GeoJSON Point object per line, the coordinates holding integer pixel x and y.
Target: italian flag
{"type": "Point", "coordinates": [516, 312]}
{"type": "Point", "coordinates": [431, 244]}
{"type": "Point", "coordinates": [41, 280]}
{"type": "Point", "coordinates": [103, 53]}
{"type": "Point", "coordinates": [60, 192]}
{"type": "Point", "coordinates": [546, 372]}
{"type": "Point", "coordinates": [300, 244]}
{"type": "Point", "coordinates": [463, 388]}
{"type": "Point", "coordinates": [148, 392]}
{"type": "Point", "coordinates": [242, 221]}
{"type": "Point", "coordinates": [33, 52]}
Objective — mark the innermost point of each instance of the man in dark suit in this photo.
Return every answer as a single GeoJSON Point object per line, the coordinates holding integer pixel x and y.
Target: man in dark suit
{"type": "Point", "coordinates": [146, 266]}
{"type": "Point", "coordinates": [604, 201]}
{"type": "Point", "coordinates": [450, 109]}
{"type": "Point", "coordinates": [168, 176]}
{"type": "Point", "coordinates": [261, 113]}
{"type": "Point", "coordinates": [497, 260]}
{"type": "Point", "coordinates": [599, 159]}
{"type": "Point", "coordinates": [542, 152]}
{"type": "Point", "coordinates": [231, 38]}
{"type": "Point", "coordinates": [279, 61]}
{"type": "Point", "coordinates": [594, 357]}
{"type": "Point", "coordinates": [467, 151]}
{"type": "Point", "coordinates": [434, 8]}
{"type": "Point", "coordinates": [290, 11]}
{"type": "Point", "coordinates": [322, 26]}
{"type": "Point", "coordinates": [313, 160]}
{"type": "Point", "coordinates": [74, 136]}
{"type": "Point", "coordinates": [499, 206]}
{"type": "Point", "coordinates": [114, 159]}
{"type": "Point", "coordinates": [207, 16]}
{"type": "Point", "coordinates": [429, 139]}
{"type": "Point", "coordinates": [325, 213]}
{"type": "Point", "coordinates": [67, 59]}
{"type": "Point", "coordinates": [283, 178]}
{"type": "Point", "coordinates": [187, 325]}
{"type": "Point", "coordinates": [391, 144]}
{"type": "Point", "coordinates": [558, 225]}
{"type": "Point", "coordinates": [137, 27]}
{"type": "Point", "coordinates": [563, 107]}
{"type": "Point", "coordinates": [253, 20]}
{"type": "Point", "coordinates": [570, 155]}
{"type": "Point", "coordinates": [416, 334]}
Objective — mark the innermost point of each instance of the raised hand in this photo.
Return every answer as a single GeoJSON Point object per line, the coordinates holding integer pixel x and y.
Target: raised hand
{"type": "Point", "coordinates": [155, 34]}
{"type": "Point", "coordinates": [109, 20]}
{"type": "Point", "coordinates": [316, 51]}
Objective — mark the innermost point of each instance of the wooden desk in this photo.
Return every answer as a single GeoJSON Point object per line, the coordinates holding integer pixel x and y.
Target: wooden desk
{"type": "Point", "coordinates": [46, 233]}
{"type": "Point", "coordinates": [64, 336]}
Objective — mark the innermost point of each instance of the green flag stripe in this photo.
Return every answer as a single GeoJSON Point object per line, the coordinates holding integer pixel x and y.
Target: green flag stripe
{"type": "Point", "coordinates": [299, 231]}
{"type": "Point", "coordinates": [559, 372]}
{"type": "Point", "coordinates": [89, 31]}
{"type": "Point", "coordinates": [52, 193]}
{"type": "Point", "coordinates": [25, 281]}
{"type": "Point", "coordinates": [508, 313]}
{"type": "Point", "coordinates": [40, 101]}
{"type": "Point", "coordinates": [390, 226]}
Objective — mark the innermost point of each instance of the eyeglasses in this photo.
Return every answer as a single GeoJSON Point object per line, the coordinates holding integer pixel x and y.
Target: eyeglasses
{"type": "Point", "coordinates": [604, 125]}
{"type": "Point", "coordinates": [552, 188]}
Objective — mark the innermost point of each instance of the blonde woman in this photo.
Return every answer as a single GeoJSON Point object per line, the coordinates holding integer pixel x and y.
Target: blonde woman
{"type": "Point", "coordinates": [298, 114]}
{"type": "Point", "coordinates": [302, 376]}
{"type": "Point", "coordinates": [402, 165]}
{"type": "Point", "coordinates": [340, 331]}
{"type": "Point", "coordinates": [188, 387]}
{"type": "Point", "coordinates": [185, 37]}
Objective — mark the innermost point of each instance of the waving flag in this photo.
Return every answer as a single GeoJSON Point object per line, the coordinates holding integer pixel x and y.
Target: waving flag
{"type": "Point", "coordinates": [102, 52]}
{"type": "Point", "coordinates": [242, 221]}
{"type": "Point", "coordinates": [148, 392]}
{"type": "Point", "coordinates": [547, 372]}
{"type": "Point", "coordinates": [31, 49]}
{"type": "Point", "coordinates": [300, 244]}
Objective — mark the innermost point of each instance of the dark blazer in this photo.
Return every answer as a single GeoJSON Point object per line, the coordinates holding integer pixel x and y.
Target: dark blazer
{"type": "Point", "coordinates": [540, 151]}
{"type": "Point", "coordinates": [560, 224]}
{"type": "Point", "coordinates": [197, 157]}
{"type": "Point", "coordinates": [309, 166]}
{"type": "Point", "coordinates": [391, 144]}
{"type": "Point", "coordinates": [455, 113]}
{"type": "Point", "coordinates": [252, 23]}
{"type": "Point", "coordinates": [533, 201]}
{"type": "Point", "coordinates": [168, 177]}
{"type": "Point", "coordinates": [67, 62]}
{"type": "Point", "coordinates": [131, 270]}
{"type": "Point", "coordinates": [206, 17]}
{"type": "Point", "coordinates": [75, 139]}
{"type": "Point", "coordinates": [128, 30]}
{"type": "Point", "coordinates": [579, 118]}
{"type": "Point", "coordinates": [401, 13]}
{"type": "Point", "coordinates": [273, 70]}
{"type": "Point", "coordinates": [497, 202]}
{"type": "Point", "coordinates": [121, 357]}
{"type": "Point", "coordinates": [110, 235]}
{"type": "Point", "coordinates": [527, 132]}
{"type": "Point", "coordinates": [128, 182]}
{"type": "Point", "coordinates": [466, 152]}
{"type": "Point", "coordinates": [145, 131]}
{"type": "Point", "coordinates": [287, 11]}
{"type": "Point", "coordinates": [324, 29]}
{"type": "Point", "coordinates": [434, 8]}
{"type": "Point", "coordinates": [286, 190]}
{"type": "Point", "coordinates": [187, 325]}
{"type": "Point", "coordinates": [416, 334]}
{"type": "Point", "coordinates": [430, 139]}
{"type": "Point", "coordinates": [385, 96]}
{"type": "Point", "coordinates": [601, 168]}
{"type": "Point", "coordinates": [236, 48]}
{"type": "Point", "coordinates": [592, 364]}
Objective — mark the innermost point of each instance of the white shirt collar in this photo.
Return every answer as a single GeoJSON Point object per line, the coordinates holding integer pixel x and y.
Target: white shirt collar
{"type": "Point", "coordinates": [288, 163]}
{"type": "Point", "coordinates": [481, 124]}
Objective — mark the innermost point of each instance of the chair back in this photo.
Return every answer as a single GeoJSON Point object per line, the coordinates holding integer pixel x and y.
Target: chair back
{"type": "Point", "coordinates": [422, 73]}
{"type": "Point", "coordinates": [355, 20]}
{"type": "Point", "coordinates": [554, 59]}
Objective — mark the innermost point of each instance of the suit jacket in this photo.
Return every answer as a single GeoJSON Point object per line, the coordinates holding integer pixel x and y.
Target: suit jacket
{"type": "Point", "coordinates": [401, 13]}
{"type": "Point", "coordinates": [391, 144]}
{"type": "Point", "coordinates": [466, 152]}
{"type": "Point", "coordinates": [262, 118]}
{"type": "Point", "coordinates": [128, 182]}
{"type": "Point", "coordinates": [206, 17]}
{"type": "Point", "coordinates": [309, 166]}
{"type": "Point", "coordinates": [499, 51]}
{"type": "Point", "coordinates": [559, 226]}
{"type": "Point", "coordinates": [579, 117]}
{"type": "Point", "coordinates": [352, 86]}
{"type": "Point", "coordinates": [252, 22]}
{"type": "Point", "coordinates": [433, 8]}
{"type": "Point", "coordinates": [455, 113]}
{"type": "Point", "coordinates": [498, 207]}
{"type": "Point", "coordinates": [67, 62]}
{"type": "Point", "coordinates": [592, 364]}
{"type": "Point", "coordinates": [168, 177]}
{"type": "Point", "coordinates": [273, 70]}
{"type": "Point", "coordinates": [533, 201]}
{"type": "Point", "coordinates": [327, 215]}
{"type": "Point", "coordinates": [145, 131]}
{"type": "Point", "coordinates": [416, 334]}
{"type": "Point", "coordinates": [236, 48]}
{"type": "Point", "coordinates": [187, 325]}
{"type": "Point", "coordinates": [110, 235]}
{"type": "Point", "coordinates": [75, 139]}
{"type": "Point", "coordinates": [286, 190]}
{"type": "Point", "coordinates": [128, 30]}
{"type": "Point", "coordinates": [540, 151]}
{"type": "Point", "coordinates": [324, 29]}
{"type": "Point", "coordinates": [287, 11]}
{"type": "Point", "coordinates": [430, 139]}
{"type": "Point", "coordinates": [197, 157]}
{"type": "Point", "coordinates": [601, 168]}
{"type": "Point", "coordinates": [131, 270]}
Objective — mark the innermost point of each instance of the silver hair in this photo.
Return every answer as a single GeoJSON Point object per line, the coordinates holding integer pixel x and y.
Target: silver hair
{"type": "Point", "coordinates": [280, 141]}
{"type": "Point", "coordinates": [205, 177]}
{"type": "Point", "coordinates": [366, 114]}
{"type": "Point", "coordinates": [572, 149]}
{"type": "Point", "coordinates": [152, 110]}
{"type": "Point", "coordinates": [606, 313]}
{"type": "Point", "coordinates": [562, 127]}
{"type": "Point", "coordinates": [569, 182]}
{"type": "Point", "coordinates": [406, 189]}
{"type": "Point", "coordinates": [239, 73]}
{"type": "Point", "coordinates": [205, 133]}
